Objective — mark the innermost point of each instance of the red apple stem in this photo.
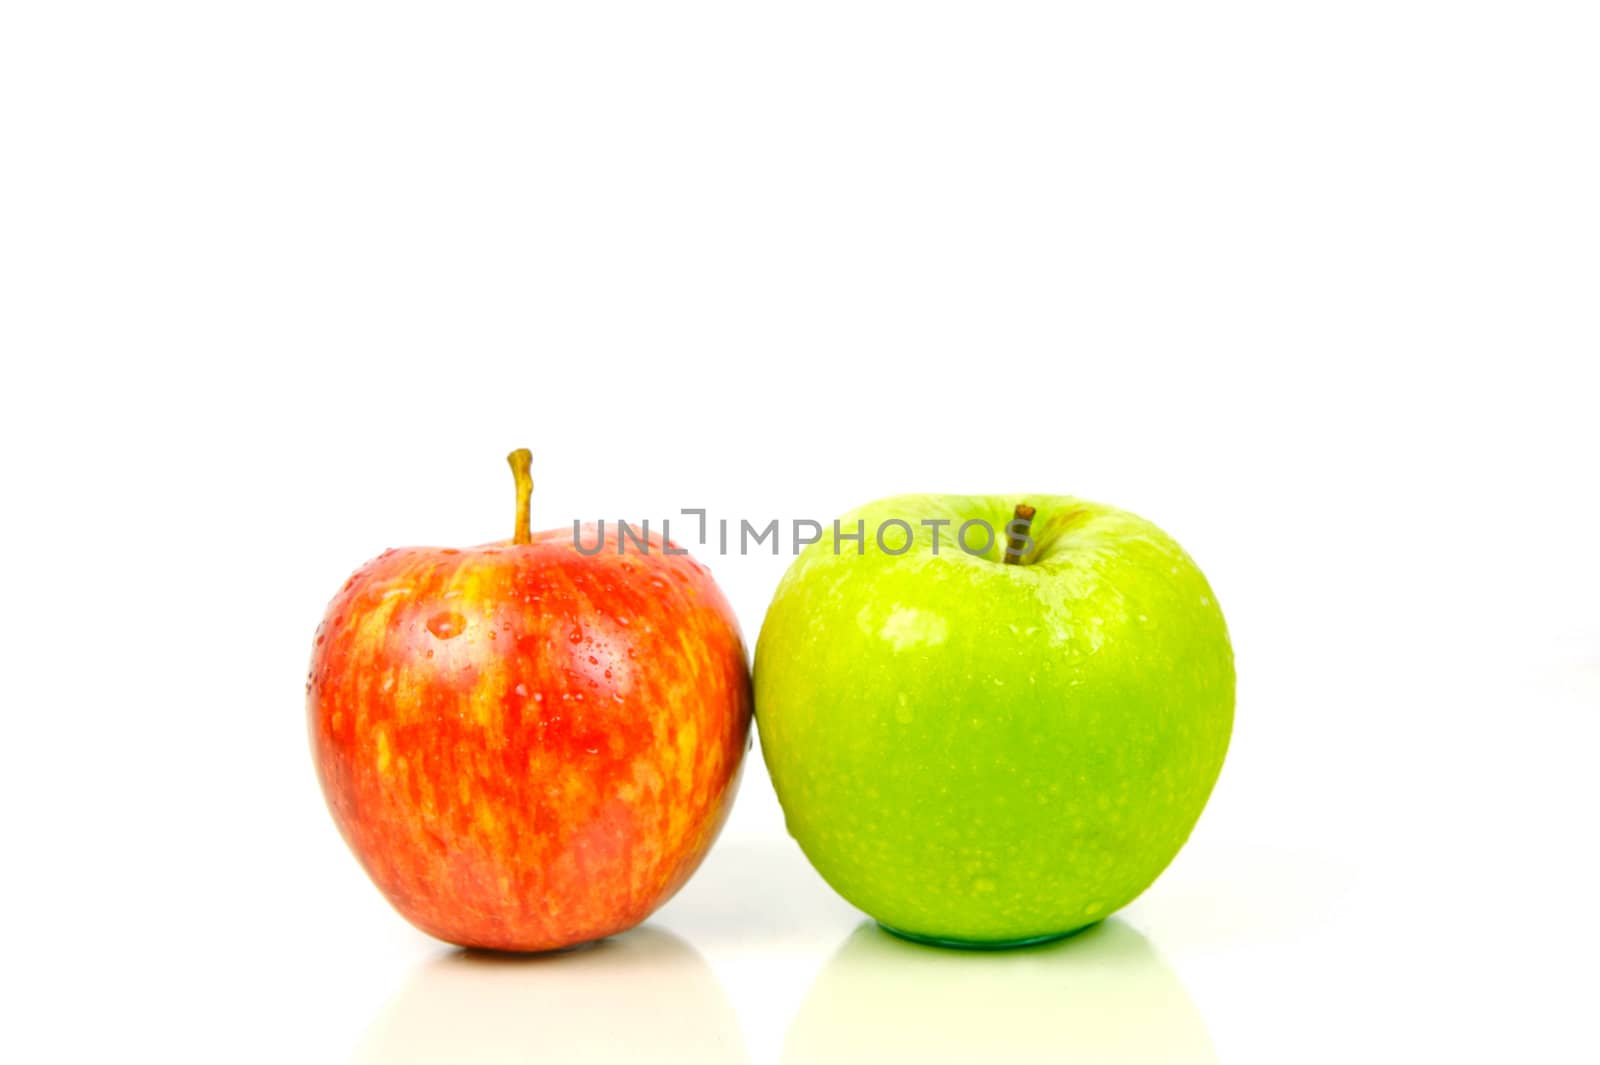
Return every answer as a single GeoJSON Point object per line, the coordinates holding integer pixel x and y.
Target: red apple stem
{"type": "Point", "coordinates": [1017, 533]}
{"type": "Point", "coordinates": [522, 469]}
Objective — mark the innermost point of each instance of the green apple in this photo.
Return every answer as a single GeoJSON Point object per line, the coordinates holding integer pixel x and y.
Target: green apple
{"type": "Point", "coordinates": [991, 740]}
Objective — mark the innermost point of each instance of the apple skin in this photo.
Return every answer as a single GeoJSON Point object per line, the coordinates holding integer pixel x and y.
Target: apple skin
{"type": "Point", "coordinates": [986, 754]}
{"type": "Point", "coordinates": [526, 747]}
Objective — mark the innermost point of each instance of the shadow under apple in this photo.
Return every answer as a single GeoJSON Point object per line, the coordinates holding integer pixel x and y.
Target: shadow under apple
{"type": "Point", "coordinates": [644, 995]}
{"type": "Point", "coordinates": [1103, 995]}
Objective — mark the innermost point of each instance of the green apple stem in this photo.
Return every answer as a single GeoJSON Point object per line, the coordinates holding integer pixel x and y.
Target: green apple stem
{"type": "Point", "coordinates": [522, 469]}
{"type": "Point", "coordinates": [1017, 533]}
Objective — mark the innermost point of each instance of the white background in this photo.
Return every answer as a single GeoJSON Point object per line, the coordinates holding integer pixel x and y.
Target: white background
{"type": "Point", "coordinates": [1313, 286]}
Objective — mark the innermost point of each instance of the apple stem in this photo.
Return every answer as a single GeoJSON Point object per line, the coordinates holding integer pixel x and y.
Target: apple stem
{"type": "Point", "coordinates": [522, 469]}
{"type": "Point", "coordinates": [1017, 533]}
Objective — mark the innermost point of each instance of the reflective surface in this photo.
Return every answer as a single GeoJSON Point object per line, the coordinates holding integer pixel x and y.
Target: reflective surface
{"type": "Point", "coordinates": [643, 996]}
{"type": "Point", "coordinates": [1103, 995]}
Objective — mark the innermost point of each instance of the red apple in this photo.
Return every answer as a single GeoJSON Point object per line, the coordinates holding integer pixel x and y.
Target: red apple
{"type": "Point", "coordinates": [528, 747]}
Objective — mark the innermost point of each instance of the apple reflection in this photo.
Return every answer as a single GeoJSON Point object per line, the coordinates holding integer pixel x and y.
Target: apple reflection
{"type": "Point", "coordinates": [1102, 996]}
{"type": "Point", "coordinates": [644, 995]}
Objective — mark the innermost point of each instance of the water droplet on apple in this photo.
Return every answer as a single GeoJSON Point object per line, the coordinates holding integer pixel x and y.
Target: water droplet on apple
{"type": "Point", "coordinates": [522, 690]}
{"type": "Point", "coordinates": [538, 697]}
{"type": "Point", "coordinates": [576, 635]}
{"type": "Point", "coordinates": [446, 624]}
{"type": "Point", "coordinates": [593, 661]}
